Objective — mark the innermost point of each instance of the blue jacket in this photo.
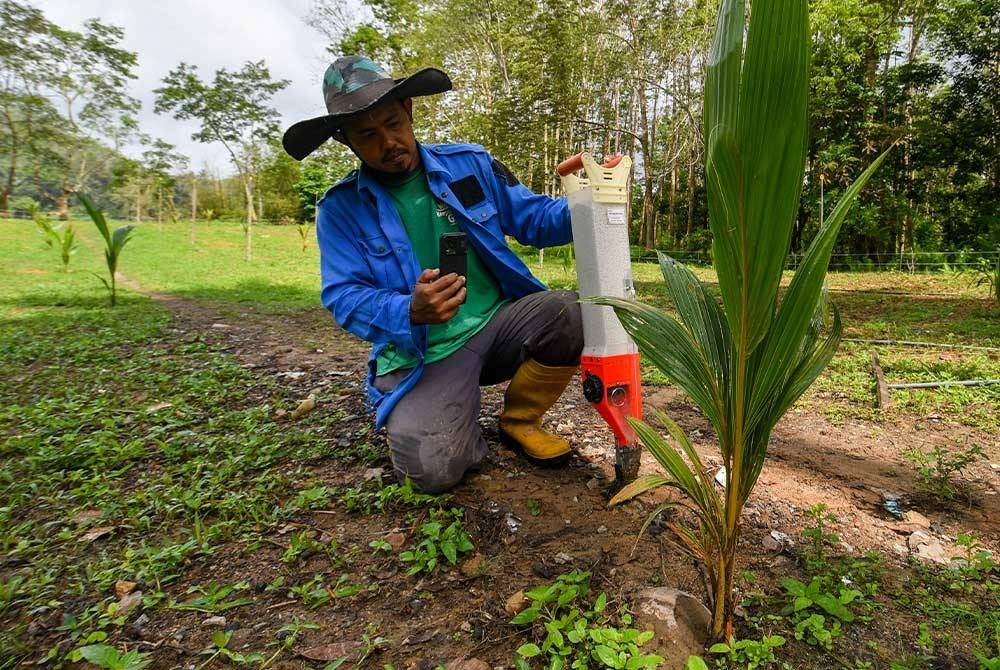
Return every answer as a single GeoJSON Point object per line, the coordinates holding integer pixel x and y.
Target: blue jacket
{"type": "Point", "coordinates": [368, 267]}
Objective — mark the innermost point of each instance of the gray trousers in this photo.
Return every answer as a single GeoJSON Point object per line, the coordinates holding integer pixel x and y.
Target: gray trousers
{"type": "Point", "coordinates": [434, 431]}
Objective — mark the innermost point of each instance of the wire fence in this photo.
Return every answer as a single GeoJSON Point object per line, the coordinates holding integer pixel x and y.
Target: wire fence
{"type": "Point", "coordinates": [922, 261]}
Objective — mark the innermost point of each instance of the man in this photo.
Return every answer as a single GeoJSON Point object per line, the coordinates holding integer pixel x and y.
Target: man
{"type": "Point", "coordinates": [437, 338]}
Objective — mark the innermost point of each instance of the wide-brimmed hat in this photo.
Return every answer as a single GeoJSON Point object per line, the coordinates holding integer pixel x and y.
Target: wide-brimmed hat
{"type": "Point", "coordinates": [351, 85]}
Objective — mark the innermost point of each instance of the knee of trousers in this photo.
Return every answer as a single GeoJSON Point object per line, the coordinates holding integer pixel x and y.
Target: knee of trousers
{"type": "Point", "coordinates": [565, 336]}
{"type": "Point", "coordinates": [437, 463]}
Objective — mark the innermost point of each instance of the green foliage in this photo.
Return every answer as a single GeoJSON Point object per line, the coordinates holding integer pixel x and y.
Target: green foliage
{"type": "Point", "coordinates": [110, 658]}
{"type": "Point", "coordinates": [987, 273]}
{"type": "Point", "coordinates": [749, 654]}
{"type": "Point", "coordinates": [939, 468]}
{"type": "Point", "coordinates": [213, 598]}
{"type": "Point", "coordinates": [818, 536]}
{"type": "Point", "coordinates": [444, 536]}
{"type": "Point", "coordinates": [809, 600]}
{"type": "Point", "coordinates": [572, 634]}
{"type": "Point", "coordinates": [60, 237]}
{"type": "Point", "coordinates": [220, 647]}
{"type": "Point", "coordinates": [114, 242]}
{"type": "Point", "coordinates": [374, 497]}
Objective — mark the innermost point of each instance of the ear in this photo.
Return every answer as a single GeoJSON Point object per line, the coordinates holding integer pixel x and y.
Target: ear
{"type": "Point", "coordinates": [339, 135]}
{"type": "Point", "coordinates": [408, 106]}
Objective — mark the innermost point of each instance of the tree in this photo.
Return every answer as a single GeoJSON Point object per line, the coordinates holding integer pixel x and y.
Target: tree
{"type": "Point", "coordinates": [233, 110]}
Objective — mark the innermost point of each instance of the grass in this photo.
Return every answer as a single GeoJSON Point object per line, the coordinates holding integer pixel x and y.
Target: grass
{"type": "Point", "coordinates": [130, 451]}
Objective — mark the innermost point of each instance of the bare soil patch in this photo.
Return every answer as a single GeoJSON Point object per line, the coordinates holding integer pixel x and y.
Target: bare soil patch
{"type": "Point", "coordinates": [459, 613]}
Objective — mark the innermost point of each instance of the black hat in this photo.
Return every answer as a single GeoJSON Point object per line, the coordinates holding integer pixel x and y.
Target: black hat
{"type": "Point", "coordinates": [354, 84]}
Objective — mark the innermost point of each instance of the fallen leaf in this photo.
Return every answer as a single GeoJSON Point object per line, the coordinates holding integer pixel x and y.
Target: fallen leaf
{"type": "Point", "coordinates": [330, 652]}
{"type": "Point", "coordinates": [96, 533]}
{"type": "Point", "coordinates": [304, 407]}
{"type": "Point", "coordinates": [158, 406]}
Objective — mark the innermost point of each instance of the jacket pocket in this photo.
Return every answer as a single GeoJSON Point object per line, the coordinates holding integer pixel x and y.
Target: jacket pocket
{"type": "Point", "coordinates": [378, 254]}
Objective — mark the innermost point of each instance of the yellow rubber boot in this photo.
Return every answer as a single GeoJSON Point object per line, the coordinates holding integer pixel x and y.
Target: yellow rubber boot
{"type": "Point", "coordinates": [532, 391]}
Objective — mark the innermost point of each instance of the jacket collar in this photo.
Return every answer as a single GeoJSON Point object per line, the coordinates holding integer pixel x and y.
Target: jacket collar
{"type": "Point", "coordinates": [431, 163]}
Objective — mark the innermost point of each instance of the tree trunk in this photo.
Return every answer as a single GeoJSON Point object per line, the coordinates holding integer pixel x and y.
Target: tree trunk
{"type": "Point", "coordinates": [62, 204]}
{"type": "Point", "coordinates": [159, 205]}
{"type": "Point", "coordinates": [248, 230]}
{"type": "Point", "coordinates": [194, 204]}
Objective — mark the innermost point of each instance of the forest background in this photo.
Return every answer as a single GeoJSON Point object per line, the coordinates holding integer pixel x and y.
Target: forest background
{"type": "Point", "coordinates": [535, 81]}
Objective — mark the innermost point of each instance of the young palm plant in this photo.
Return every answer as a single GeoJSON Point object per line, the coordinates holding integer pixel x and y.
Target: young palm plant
{"type": "Point", "coordinates": [114, 242]}
{"type": "Point", "coordinates": [743, 362]}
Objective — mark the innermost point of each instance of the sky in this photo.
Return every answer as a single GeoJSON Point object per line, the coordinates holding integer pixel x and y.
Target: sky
{"type": "Point", "coordinates": [209, 34]}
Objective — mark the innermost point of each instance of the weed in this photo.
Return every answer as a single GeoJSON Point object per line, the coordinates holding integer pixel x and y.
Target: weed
{"type": "Point", "coordinates": [110, 658]}
{"type": "Point", "coordinates": [749, 654]}
{"type": "Point", "coordinates": [60, 237]}
{"type": "Point", "coordinates": [374, 497]}
{"type": "Point", "coordinates": [114, 242]}
{"type": "Point", "coordinates": [939, 468]}
{"type": "Point", "coordinates": [534, 506]}
{"type": "Point", "coordinates": [443, 536]}
{"type": "Point", "coordinates": [817, 533]}
{"type": "Point", "coordinates": [571, 636]}
{"type": "Point", "coordinates": [220, 647]}
{"type": "Point", "coordinates": [809, 624]}
{"type": "Point", "coordinates": [213, 598]}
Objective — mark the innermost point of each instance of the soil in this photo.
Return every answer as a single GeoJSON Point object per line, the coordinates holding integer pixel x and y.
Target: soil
{"type": "Point", "coordinates": [459, 613]}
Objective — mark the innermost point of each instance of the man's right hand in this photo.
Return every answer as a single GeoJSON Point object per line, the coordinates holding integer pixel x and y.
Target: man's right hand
{"type": "Point", "coordinates": [436, 299]}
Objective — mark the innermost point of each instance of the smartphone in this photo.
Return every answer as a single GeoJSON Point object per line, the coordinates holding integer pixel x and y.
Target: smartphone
{"type": "Point", "coordinates": [452, 253]}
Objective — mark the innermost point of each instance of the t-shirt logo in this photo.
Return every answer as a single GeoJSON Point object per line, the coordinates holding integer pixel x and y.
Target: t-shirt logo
{"type": "Point", "coordinates": [445, 212]}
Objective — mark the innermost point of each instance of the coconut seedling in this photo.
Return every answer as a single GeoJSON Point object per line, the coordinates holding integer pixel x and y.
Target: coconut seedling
{"type": "Point", "coordinates": [746, 360]}
{"type": "Point", "coordinates": [114, 242]}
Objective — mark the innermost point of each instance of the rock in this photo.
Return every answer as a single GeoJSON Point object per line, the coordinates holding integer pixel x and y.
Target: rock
{"type": "Point", "coordinates": [593, 483]}
{"type": "Point", "coordinates": [776, 541]}
{"type": "Point", "coordinates": [601, 530]}
{"type": "Point", "coordinates": [395, 540]}
{"type": "Point", "coordinates": [681, 623]}
{"type": "Point", "coordinates": [516, 604]}
{"type": "Point", "coordinates": [927, 548]}
{"type": "Point", "coordinates": [911, 522]}
{"type": "Point", "coordinates": [128, 601]}
{"type": "Point", "coordinates": [562, 558]}
{"type": "Point", "coordinates": [541, 570]}
{"type": "Point", "coordinates": [474, 567]}
{"type": "Point", "coordinates": [467, 664]}
{"type": "Point", "coordinates": [123, 588]}
{"type": "Point", "coordinates": [214, 622]}
{"type": "Point", "coordinates": [373, 474]}
{"type": "Point", "coordinates": [304, 407]}
{"type": "Point", "coordinates": [916, 518]}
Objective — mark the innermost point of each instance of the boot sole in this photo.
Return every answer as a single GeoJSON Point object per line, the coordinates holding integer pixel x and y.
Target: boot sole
{"type": "Point", "coordinates": [553, 462]}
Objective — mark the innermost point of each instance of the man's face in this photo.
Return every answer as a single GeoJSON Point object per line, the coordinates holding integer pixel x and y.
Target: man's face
{"type": "Point", "coordinates": [383, 138]}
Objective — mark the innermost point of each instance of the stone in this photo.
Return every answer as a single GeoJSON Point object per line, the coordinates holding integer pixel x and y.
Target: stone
{"type": "Point", "coordinates": [473, 567]}
{"type": "Point", "coordinates": [562, 558]}
{"type": "Point", "coordinates": [680, 622]}
{"type": "Point", "coordinates": [776, 541]}
{"type": "Point", "coordinates": [516, 603]}
{"type": "Point", "coordinates": [927, 548]}
{"type": "Point", "coordinates": [214, 622]}
{"type": "Point", "coordinates": [467, 664]}
{"type": "Point", "coordinates": [123, 588]}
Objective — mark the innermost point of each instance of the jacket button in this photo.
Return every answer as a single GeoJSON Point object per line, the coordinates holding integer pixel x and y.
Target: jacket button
{"type": "Point", "coordinates": [444, 194]}
{"type": "Point", "coordinates": [380, 249]}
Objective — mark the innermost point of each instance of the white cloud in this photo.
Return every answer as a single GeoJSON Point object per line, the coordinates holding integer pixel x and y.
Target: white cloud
{"type": "Point", "coordinates": [209, 34]}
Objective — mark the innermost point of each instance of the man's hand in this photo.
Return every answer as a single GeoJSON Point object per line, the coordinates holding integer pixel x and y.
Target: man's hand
{"type": "Point", "coordinates": [436, 299]}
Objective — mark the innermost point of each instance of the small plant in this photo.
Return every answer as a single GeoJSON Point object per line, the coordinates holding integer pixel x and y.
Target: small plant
{"type": "Point", "coordinates": [574, 636]}
{"type": "Point", "coordinates": [114, 242]}
{"type": "Point", "coordinates": [987, 273]}
{"type": "Point", "coordinates": [977, 564]}
{"type": "Point", "coordinates": [810, 625]}
{"type": "Point", "coordinates": [288, 635]}
{"type": "Point", "coordinates": [939, 468]}
{"type": "Point", "coordinates": [373, 498]}
{"type": "Point", "coordinates": [534, 506]}
{"type": "Point", "coordinates": [110, 658]}
{"type": "Point", "coordinates": [303, 545]}
{"type": "Point", "coordinates": [61, 237]}
{"type": "Point", "coordinates": [817, 533]}
{"type": "Point", "coordinates": [991, 662]}
{"type": "Point", "coordinates": [749, 654]}
{"type": "Point", "coordinates": [304, 235]}
{"type": "Point", "coordinates": [213, 598]}
{"type": "Point", "coordinates": [439, 540]}
{"type": "Point", "coordinates": [220, 647]}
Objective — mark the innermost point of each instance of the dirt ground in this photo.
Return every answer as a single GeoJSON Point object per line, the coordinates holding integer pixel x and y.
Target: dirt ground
{"type": "Point", "coordinates": [459, 613]}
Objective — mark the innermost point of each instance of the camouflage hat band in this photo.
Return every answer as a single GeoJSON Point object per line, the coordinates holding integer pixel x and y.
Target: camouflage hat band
{"type": "Point", "coordinates": [351, 85]}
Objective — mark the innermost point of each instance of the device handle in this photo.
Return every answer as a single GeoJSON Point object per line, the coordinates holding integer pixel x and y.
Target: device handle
{"type": "Point", "coordinates": [575, 162]}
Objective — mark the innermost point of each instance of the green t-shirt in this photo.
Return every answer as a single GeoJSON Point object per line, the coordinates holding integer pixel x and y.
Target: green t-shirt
{"type": "Point", "coordinates": [424, 219]}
